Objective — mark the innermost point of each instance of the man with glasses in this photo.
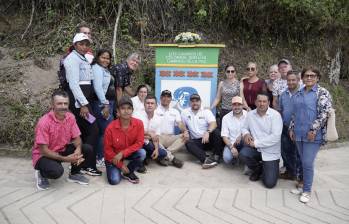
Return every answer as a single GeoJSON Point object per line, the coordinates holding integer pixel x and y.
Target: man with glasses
{"type": "Point", "coordinates": [123, 72]}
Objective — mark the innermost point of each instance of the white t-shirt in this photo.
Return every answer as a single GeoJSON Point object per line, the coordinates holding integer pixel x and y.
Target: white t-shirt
{"type": "Point", "coordinates": [169, 119]}
{"type": "Point", "coordinates": [197, 123]}
{"type": "Point", "coordinates": [232, 126]}
{"type": "Point", "coordinates": [150, 125]}
{"type": "Point", "coordinates": [138, 105]}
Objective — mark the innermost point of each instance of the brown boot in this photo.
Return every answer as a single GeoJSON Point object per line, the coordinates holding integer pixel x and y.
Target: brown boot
{"type": "Point", "coordinates": [287, 176]}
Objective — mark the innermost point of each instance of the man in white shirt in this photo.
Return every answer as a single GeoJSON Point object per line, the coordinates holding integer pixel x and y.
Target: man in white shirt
{"type": "Point", "coordinates": [201, 124]}
{"type": "Point", "coordinates": [151, 123]}
{"type": "Point", "coordinates": [170, 120]}
{"type": "Point", "coordinates": [262, 141]}
{"type": "Point", "coordinates": [232, 130]}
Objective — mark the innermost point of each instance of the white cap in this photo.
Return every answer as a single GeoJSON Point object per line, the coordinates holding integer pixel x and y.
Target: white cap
{"type": "Point", "coordinates": [236, 99]}
{"type": "Point", "coordinates": [80, 37]}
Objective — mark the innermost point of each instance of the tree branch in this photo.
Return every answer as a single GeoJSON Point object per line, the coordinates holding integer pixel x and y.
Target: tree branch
{"type": "Point", "coordinates": [116, 29]}
{"type": "Point", "coordinates": [30, 21]}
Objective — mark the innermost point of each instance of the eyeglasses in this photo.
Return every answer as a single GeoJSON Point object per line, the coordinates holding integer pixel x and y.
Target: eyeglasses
{"type": "Point", "coordinates": [250, 69]}
{"type": "Point", "coordinates": [230, 71]}
{"type": "Point", "coordinates": [311, 76]}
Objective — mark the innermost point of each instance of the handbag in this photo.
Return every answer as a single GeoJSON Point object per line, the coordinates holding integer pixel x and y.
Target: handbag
{"type": "Point", "coordinates": [332, 134]}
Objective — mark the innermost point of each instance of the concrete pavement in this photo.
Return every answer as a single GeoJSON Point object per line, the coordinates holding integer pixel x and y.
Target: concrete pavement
{"type": "Point", "coordinates": [170, 195]}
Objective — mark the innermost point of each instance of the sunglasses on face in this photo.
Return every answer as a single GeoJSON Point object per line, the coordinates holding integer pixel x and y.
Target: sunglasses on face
{"type": "Point", "coordinates": [310, 76]}
{"type": "Point", "coordinates": [230, 71]}
{"type": "Point", "coordinates": [250, 69]}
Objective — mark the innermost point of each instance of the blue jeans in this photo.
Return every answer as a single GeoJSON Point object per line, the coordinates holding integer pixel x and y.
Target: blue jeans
{"type": "Point", "coordinates": [114, 173]}
{"type": "Point", "coordinates": [308, 152]}
{"type": "Point", "coordinates": [290, 155]}
{"type": "Point", "coordinates": [149, 148]}
{"type": "Point", "coordinates": [228, 157]}
{"type": "Point", "coordinates": [253, 159]}
{"type": "Point", "coordinates": [102, 124]}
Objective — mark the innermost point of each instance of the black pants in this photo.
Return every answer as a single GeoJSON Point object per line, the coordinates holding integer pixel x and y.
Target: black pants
{"type": "Point", "coordinates": [53, 169]}
{"type": "Point", "coordinates": [198, 149]}
{"type": "Point", "coordinates": [253, 159]}
{"type": "Point", "coordinates": [89, 132]}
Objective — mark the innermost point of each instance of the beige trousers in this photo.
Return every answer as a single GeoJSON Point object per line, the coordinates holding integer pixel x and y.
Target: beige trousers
{"type": "Point", "coordinates": [172, 143]}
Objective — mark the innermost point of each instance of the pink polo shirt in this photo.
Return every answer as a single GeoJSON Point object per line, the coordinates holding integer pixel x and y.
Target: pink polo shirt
{"type": "Point", "coordinates": [54, 133]}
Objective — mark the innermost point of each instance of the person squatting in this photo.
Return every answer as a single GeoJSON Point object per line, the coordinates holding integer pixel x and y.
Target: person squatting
{"type": "Point", "coordinates": [93, 123]}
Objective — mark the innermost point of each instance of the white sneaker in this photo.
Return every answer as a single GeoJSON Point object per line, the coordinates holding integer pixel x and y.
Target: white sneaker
{"type": "Point", "coordinates": [41, 182]}
{"type": "Point", "coordinates": [297, 191]}
{"type": "Point", "coordinates": [247, 171]}
{"type": "Point", "coordinates": [305, 197]}
{"type": "Point", "coordinates": [100, 163]}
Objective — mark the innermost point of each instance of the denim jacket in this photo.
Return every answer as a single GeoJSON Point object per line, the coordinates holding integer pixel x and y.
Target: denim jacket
{"type": "Point", "coordinates": [78, 72]}
{"type": "Point", "coordinates": [101, 82]}
{"type": "Point", "coordinates": [324, 104]}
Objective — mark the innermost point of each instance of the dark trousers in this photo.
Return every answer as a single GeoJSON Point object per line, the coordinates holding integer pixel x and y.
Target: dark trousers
{"type": "Point", "coordinates": [253, 159]}
{"type": "Point", "coordinates": [290, 155]}
{"type": "Point", "coordinates": [149, 148]}
{"type": "Point", "coordinates": [198, 149]}
{"type": "Point", "coordinates": [53, 169]}
{"type": "Point", "coordinates": [89, 132]}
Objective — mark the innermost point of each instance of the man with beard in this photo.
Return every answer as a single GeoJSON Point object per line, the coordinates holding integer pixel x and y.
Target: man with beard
{"type": "Point", "coordinates": [204, 136]}
{"type": "Point", "coordinates": [231, 130]}
{"type": "Point", "coordinates": [57, 140]}
{"type": "Point", "coordinates": [262, 142]}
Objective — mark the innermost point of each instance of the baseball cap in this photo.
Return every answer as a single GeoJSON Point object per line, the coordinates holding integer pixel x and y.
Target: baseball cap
{"type": "Point", "coordinates": [166, 93]}
{"type": "Point", "coordinates": [236, 99]}
{"type": "Point", "coordinates": [125, 100]}
{"type": "Point", "coordinates": [195, 96]}
{"type": "Point", "coordinates": [284, 61]}
{"type": "Point", "coordinates": [80, 37]}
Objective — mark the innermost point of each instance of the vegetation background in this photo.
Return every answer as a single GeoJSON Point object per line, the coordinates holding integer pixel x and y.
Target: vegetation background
{"type": "Point", "coordinates": [34, 34]}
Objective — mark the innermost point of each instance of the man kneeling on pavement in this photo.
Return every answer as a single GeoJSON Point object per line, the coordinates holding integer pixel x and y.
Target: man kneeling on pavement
{"type": "Point", "coordinates": [262, 142]}
{"type": "Point", "coordinates": [57, 140]}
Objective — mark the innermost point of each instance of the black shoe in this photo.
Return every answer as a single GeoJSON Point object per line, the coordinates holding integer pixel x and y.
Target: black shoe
{"type": "Point", "coordinates": [142, 169]}
{"type": "Point", "coordinates": [162, 162]}
{"type": "Point", "coordinates": [209, 163]}
{"type": "Point", "coordinates": [256, 174]}
{"type": "Point", "coordinates": [177, 163]}
{"type": "Point", "coordinates": [91, 171]}
{"type": "Point", "coordinates": [131, 177]}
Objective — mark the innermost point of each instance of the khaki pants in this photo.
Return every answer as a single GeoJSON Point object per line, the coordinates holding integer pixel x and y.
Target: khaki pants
{"type": "Point", "coordinates": [172, 143]}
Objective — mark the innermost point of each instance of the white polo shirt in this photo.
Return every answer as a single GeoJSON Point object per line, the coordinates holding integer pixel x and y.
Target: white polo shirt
{"type": "Point", "coordinates": [137, 104]}
{"type": "Point", "coordinates": [266, 131]}
{"type": "Point", "coordinates": [197, 123]}
{"type": "Point", "coordinates": [150, 125]}
{"type": "Point", "coordinates": [169, 119]}
{"type": "Point", "coordinates": [232, 126]}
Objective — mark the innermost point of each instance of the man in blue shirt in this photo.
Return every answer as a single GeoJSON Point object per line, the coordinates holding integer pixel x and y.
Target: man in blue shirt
{"type": "Point", "coordinates": [288, 148]}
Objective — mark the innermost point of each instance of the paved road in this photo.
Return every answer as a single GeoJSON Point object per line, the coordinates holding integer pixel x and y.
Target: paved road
{"type": "Point", "coordinates": [170, 195]}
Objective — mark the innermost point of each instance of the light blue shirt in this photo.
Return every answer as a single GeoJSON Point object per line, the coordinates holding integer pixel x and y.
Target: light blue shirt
{"type": "Point", "coordinates": [305, 113]}
{"type": "Point", "coordinates": [78, 72]}
{"type": "Point", "coordinates": [101, 80]}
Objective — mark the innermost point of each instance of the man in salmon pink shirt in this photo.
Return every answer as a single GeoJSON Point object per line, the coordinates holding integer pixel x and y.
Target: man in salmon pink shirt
{"type": "Point", "coordinates": [57, 140]}
{"type": "Point", "coordinates": [123, 140]}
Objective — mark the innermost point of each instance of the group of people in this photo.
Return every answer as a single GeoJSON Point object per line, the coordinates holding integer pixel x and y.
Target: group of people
{"type": "Point", "coordinates": [94, 122]}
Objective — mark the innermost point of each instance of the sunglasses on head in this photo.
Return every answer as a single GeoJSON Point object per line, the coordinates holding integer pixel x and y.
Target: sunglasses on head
{"type": "Point", "coordinates": [230, 71]}
{"type": "Point", "coordinates": [250, 69]}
